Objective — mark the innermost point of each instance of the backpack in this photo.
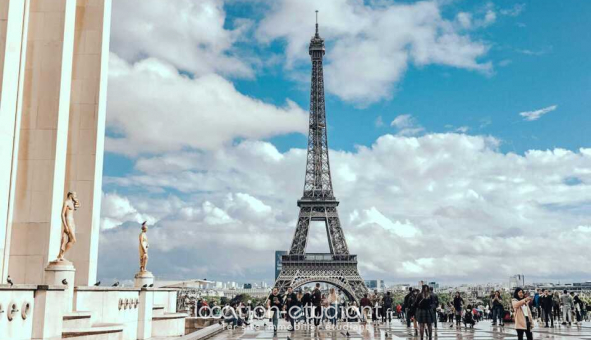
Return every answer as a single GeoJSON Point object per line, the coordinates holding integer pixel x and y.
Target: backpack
{"type": "Point", "coordinates": [316, 297]}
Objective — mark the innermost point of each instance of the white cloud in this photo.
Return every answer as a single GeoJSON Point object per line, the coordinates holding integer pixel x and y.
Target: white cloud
{"type": "Point", "coordinates": [382, 41]}
{"type": "Point", "coordinates": [379, 121]}
{"type": "Point", "coordinates": [205, 112]}
{"type": "Point", "coordinates": [489, 18]}
{"type": "Point", "coordinates": [536, 114]}
{"type": "Point", "coordinates": [411, 207]}
{"type": "Point", "coordinates": [407, 125]}
{"type": "Point", "coordinates": [117, 209]}
{"type": "Point", "coordinates": [187, 34]}
{"type": "Point", "coordinates": [465, 20]}
{"type": "Point", "coordinates": [513, 11]}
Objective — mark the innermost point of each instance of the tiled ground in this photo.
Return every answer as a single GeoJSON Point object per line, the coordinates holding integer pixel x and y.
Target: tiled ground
{"type": "Point", "coordinates": [397, 330]}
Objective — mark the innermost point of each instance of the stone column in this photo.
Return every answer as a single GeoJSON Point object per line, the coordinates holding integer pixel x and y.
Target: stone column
{"type": "Point", "coordinates": [144, 325]}
{"type": "Point", "coordinates": [84, 166]}
{"type": "Point", "coordinates": [13, 35]}
{"type": "Point", "coordinates": [143, 278]}
{"type": "Point", "coordinates": [55, 274]}
{"type": "Point", "coordinates": [40, 176]}
{"type": "Point", "coordinates": [48, 320]}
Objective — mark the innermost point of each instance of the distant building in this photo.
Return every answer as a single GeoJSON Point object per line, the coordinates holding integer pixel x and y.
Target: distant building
{"type": "Point", "coordinates": [278, 263]}
{"type": "Point", "coordinates": [375, 284]}
{"type": "Point", "coordinates": [248, 286]}
{"type": "Point", "coordinates": [571, 287]}
{"type": "Point", "coordinates": [516, 281]}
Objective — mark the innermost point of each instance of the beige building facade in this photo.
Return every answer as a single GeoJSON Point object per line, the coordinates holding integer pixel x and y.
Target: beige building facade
{"type": "Point", "coordinates": [53, 87]}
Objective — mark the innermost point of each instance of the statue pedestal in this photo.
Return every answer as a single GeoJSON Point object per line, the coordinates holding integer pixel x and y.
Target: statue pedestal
{"type": "Point", "coordinates": [55, 273]}
{"type": "Point", "coordinates": [143, 278]}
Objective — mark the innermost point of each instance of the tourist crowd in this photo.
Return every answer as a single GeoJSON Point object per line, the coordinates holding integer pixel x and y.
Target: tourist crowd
{"type": "Point", "coordinates": [420, 309]}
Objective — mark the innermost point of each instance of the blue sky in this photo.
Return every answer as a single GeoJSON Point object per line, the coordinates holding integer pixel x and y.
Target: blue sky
{"type": "Point", "coordinates": [545, 47]}
{"type": "Point", "coordinates": [449, 78]}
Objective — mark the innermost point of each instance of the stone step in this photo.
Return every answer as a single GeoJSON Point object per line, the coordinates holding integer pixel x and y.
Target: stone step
{"type": "Point", "coordinates": [157, 310]}
{"type": "Point", "coordinates": [168, 325]}
{"type": "Point", "coordinates": [77, 320]}
{"type": "Point", "coordinates": [104, 331]}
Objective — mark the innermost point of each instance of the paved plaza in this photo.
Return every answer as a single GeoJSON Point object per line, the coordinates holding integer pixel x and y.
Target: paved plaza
{"type": "Point", "coordinates": [397, 330]}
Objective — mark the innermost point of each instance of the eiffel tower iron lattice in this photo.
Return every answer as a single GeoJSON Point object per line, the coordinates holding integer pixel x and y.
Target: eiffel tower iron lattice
{"type": "Point", "coordinates": [318, 203]}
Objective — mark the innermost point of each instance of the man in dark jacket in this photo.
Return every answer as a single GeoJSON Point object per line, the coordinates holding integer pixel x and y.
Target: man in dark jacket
{"type": "Point", "coordinates": [307, 304]}
{"type": "Point", "coordinates": [434, 306]}
{"type": "Point", "coordinates": [406, 306]}
{"type": "Point", "coordinates": [317, 304]}
{"type": "Point", "coordinates": [547, 304]}
{"type": "Point", "coordinates": [291, 301]}
{"type": "Point", "coordinates": [387, 308]}
{"type": "Point", "coordinates": [275, 304]}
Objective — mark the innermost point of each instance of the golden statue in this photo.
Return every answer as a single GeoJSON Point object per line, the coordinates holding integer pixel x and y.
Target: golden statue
{"type": "Point", "coordinates": [71, 204]}
{"type": "Point", "coordinates": [143, 247]}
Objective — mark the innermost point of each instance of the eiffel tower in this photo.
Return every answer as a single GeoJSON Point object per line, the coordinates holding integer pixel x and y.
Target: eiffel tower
{"type": "Point", "coordinates": [318, 203]}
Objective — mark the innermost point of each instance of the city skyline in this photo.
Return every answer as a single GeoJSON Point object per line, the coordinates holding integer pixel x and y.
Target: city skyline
{"type": "Point", "coordinates": [449, 143]}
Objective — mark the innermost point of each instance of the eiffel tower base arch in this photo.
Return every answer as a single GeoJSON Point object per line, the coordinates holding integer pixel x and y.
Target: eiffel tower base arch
{"type": "Point", "coordinates": [338, 270]}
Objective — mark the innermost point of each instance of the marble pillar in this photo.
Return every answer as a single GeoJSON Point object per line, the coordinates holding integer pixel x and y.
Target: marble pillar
{"type": "Point", "coordinates": [87, 130]}
{"type": "Point", "coordinates": [13, 33]}
{"type": "Point", "coordinates": [52, 125]}
{"type": "Point", "coordinates": [43, 139]}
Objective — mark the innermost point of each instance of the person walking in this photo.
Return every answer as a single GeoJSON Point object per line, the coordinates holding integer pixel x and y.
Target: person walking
{"type": "Point", "coordinates": [413, 310]}
{"type": "Point", "coordinates": [333, 306]}
{"type": "Point", "coordinates": [435, 300]}
{"type": "Point", "coordinates": [577, 307]}
{"type": "Point", "coordinates": [424, 311]}
{"type": "Point", "coordinates": [275, 305]}
{"type": "Point", "coordinates": [497, 308]}
{"type": "Point", "coordinates": [375, 303]}
{"type": "Point", "coordinates": [547, 304]}
{"type": "Point", "coordinates": [406, 306]}
{"type": "Point", "coordinates": [556, 306]}
{"type": "Point", "coordinates": [325, 306]}
{"type": "Point", "coordinates": [566, 301]}
{"type": "Point", "coordinates": [537, 305]}
{"type": "Point", "coordinates": [291, 301]}
{"type": "Point", "coordinates": [523, 316]}
{"type": "Point", "coordinates": [458, 304]}
{"type": "Point", "coordinates": [307, 306]}
{"type": "Point", "coordinates": [316, 300]}
{"type": "Point", "coordinates": [387, 308]}
{"type": "Point", "coordinates": [365, 305]}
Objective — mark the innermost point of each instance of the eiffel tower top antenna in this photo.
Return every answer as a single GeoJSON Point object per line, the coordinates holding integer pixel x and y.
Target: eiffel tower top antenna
{"type": "Point", "coordinates": [317, 23]}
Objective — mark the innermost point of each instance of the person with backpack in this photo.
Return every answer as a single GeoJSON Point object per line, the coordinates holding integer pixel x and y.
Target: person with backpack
{"type": "Point", "coordinates": [307, 306]}
{"type": "Point", "coordinates": [387, 308]}
{"type": "Point", "coordinates": [316, 299]}
{"type": "Point", "coordinates": [469, 318]}
{"type": "Point", "coordinates": [406, 306]}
